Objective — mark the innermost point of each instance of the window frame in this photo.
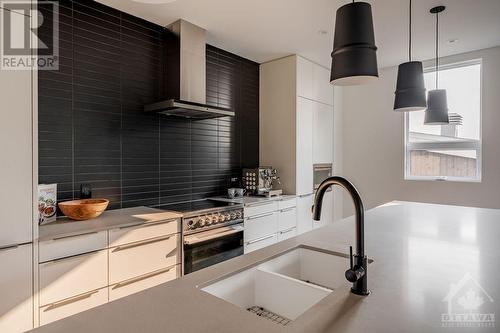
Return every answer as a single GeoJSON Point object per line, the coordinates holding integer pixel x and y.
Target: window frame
{"type": "Point", "coordinates": [459, 145]}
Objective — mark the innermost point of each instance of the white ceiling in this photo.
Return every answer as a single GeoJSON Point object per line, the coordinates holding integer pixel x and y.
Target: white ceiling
{"type": "Point", "coordinates": [263, 30]}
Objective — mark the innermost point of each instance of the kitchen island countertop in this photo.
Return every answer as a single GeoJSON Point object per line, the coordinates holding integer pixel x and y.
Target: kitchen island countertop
{"type": "Point", "coordinates": [420, 252]}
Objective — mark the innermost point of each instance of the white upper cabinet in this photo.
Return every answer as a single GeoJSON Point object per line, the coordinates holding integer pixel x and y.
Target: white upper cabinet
{"type": "Point", "coordinates": [313, 82]}
{"type": "Point", "coordinates": [304, 149]}
{"type": "Point", "coordinates": [323, 133]}
{"type": "Point", "coordinates": [16, 289]}
{"type": "Point", "coordinates": [16, 170]}
{"type": "Point", "coordinates": [322, 89]}
{"type": "Point", "coordinates": [305, 78]}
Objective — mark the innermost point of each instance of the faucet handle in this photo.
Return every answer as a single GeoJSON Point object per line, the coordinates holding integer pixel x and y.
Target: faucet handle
{"type": "Point", "coordinates": [350, 256]}
{"type": "Point", "coordinates": [354, 274]}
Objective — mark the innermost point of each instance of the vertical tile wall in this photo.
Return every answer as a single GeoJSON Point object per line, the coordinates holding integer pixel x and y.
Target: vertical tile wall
{"type": "Point", "coordinates": [92, 128]}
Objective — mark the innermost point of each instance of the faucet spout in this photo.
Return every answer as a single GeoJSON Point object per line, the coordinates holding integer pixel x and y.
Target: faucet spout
{"type": "Point", "coordinates": [358, 271]}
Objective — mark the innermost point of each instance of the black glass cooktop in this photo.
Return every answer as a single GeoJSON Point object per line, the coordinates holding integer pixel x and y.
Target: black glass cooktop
{"type": "Point", "coordinates": [197, 206]}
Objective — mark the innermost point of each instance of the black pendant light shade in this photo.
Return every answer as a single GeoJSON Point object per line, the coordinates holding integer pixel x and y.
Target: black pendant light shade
{"type": "Point", "coordinates": [437, 109]}
{"type": "Point", "coordinates": [437, 104]}
{"type": "Point", "coordinates": [354, 56]}
{"type": "Point", "coordinates": [410, 89]}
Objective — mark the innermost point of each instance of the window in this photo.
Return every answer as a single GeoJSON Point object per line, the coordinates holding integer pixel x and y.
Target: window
{"type": "Point", "coordinates": [448, 152]}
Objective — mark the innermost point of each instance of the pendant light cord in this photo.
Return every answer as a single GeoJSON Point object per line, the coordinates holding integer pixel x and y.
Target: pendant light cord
{"type": "Point", "coordinates": [409, 29]}
{"type": "Point", "coordinates": [437, 48]}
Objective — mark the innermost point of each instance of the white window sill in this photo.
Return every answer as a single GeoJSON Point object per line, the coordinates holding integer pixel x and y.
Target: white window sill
{"type": "Point", "coordinates": [443, 179]}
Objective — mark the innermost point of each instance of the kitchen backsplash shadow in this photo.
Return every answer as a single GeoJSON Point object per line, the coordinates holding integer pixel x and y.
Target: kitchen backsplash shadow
{"type": "Point", "coordinates": [92, 128]}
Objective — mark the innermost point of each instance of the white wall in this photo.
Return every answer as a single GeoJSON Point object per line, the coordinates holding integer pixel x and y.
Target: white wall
{"type": "Point", "coordinates": [373, 143]}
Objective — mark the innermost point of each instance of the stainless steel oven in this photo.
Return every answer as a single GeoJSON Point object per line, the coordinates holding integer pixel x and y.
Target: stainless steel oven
{"type": "Point", "coordinates": [212, 232]}
{"type": "Point", "coordinates": [210, 247]}
{"type": "Point", "coordinates": [320, 173]}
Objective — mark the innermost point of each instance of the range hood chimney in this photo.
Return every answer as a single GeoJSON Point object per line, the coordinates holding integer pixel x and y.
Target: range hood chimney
{"type": "Point", "coordinates": [185, 82]}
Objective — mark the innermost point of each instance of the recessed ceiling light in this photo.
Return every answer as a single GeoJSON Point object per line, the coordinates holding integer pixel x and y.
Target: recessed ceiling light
{"type": "Point", "coordinates": [454, 40]}
{"type": "Point", "coordinates": [322, 32]}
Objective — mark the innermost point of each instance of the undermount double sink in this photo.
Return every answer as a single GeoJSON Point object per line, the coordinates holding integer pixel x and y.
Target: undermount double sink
{"type": "Point", "coordinates": [286, 285]}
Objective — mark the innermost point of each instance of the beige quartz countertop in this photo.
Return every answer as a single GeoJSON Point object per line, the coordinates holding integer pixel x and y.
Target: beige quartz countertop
{"type": "Point", "coordinates": [419, 252]}
{"type": "Point", "coordinates": [64, 227]}
{"type": "Point", "coordinates": [254, 200]}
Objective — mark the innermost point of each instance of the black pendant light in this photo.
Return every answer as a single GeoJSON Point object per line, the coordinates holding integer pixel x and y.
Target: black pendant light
{"type": "Point", "coordinates": [354, 56]}
{"type": "Point", "coordinates": [410, 88]}
{"type": "Point", "coordinates": [437, 105]}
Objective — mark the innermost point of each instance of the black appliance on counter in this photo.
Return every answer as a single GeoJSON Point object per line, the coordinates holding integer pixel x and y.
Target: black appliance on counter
{"type": "Point", "coordinates": [212, 232]}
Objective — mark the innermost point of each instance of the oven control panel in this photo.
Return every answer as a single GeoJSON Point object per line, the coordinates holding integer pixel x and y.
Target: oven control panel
{"type": "Point", "coordinates": [211, 220]}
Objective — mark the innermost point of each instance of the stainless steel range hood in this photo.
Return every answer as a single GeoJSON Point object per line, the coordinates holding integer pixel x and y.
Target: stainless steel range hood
{"type": "Point", "coordinates": [185, 82]}
{"type": "Point", "coordinates": [179, 108]}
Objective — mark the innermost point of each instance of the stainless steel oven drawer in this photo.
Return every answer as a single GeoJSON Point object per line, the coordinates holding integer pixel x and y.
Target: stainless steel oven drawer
{"type": "Point", "coordinates": [211, 247]}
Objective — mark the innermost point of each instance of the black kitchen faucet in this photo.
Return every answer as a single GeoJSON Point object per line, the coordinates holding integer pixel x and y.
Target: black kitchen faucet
{"type": "Point", "coordinates": [357, 274]}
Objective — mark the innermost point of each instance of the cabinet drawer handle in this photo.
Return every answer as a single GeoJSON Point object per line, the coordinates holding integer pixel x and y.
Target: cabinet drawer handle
{"type": "Point", "coordinates": [259, 216]}
{"type": "Point", "coordinates": [79, 235]}
{"type": "Point", "coordinates": [10, 247]}
{"type": "Point", "coordinates": [128, 227]}
{"type": "Point", "coordinates": [140, 278]}
{"type": "Point", "coordinates": [129, 246]}
{"type": "Point", "coordinates": [259, 239]}
{"type": "Point", "coordinates": [70, 257]}
{"type": "Point", "coordinates": [258, 204]}
{"type": "Point", "coordinates": [70, 300]}
{"type": "Point", "coordinates": [287, 230]}
{"type": "Point", "coordinates": [145, 225]}
{"type": "Point", "coordinates": [287, 209]}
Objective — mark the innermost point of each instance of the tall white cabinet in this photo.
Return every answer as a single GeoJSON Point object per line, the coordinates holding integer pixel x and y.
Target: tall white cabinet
{"type": "Point", "coordinates": [17, 174]}
{"type": "Point", "coordinates": [296, 129]}
{"type": "Point", "coordinates": [16, 288]}
{"type": "Point", "coordinates": [304, 145]}
{"type": "Point", "coordinates": [16, 168]}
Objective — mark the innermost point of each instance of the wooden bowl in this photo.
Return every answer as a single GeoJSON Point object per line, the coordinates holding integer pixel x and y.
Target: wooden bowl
{"type": "Point", "coordinates": [84, 209]}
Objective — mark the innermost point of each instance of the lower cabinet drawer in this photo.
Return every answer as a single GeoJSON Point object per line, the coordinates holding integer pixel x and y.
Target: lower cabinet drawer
{"type": "Point", "coordinates": [260, 208]}
{"type": "Point", "coordinates": [260, 243]}
{"type": "Point", "coordinates": [136, 259]}
{"type": "Point", "coordinates": [71, 306]}
{"type": "Point", "coordinates": [140, 283]}
{"type": "Point", "coordinates": [72, 245]}
{"type": "Point", "coordinates": [287, 203]}
{"type": "Point", "coordinates": [287, 218]}
{"type": "Point", "coordinates": [126, 235]}
{"type": "Point", "coordinates": [285, 234]}
{"type": "Point", "coordinates": [68, 277]}
{"type": "Point", "coordinates": [260, 226]}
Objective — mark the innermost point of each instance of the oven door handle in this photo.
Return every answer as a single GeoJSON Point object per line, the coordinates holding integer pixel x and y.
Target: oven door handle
{"type": "Point", "coordinates": [194, 239]}
{"type": "Point", "coordinates": [323, 169]}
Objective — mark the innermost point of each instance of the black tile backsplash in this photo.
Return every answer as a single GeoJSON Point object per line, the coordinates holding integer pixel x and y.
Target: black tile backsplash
{"type": "Point", "coordinates": [92, 128]}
